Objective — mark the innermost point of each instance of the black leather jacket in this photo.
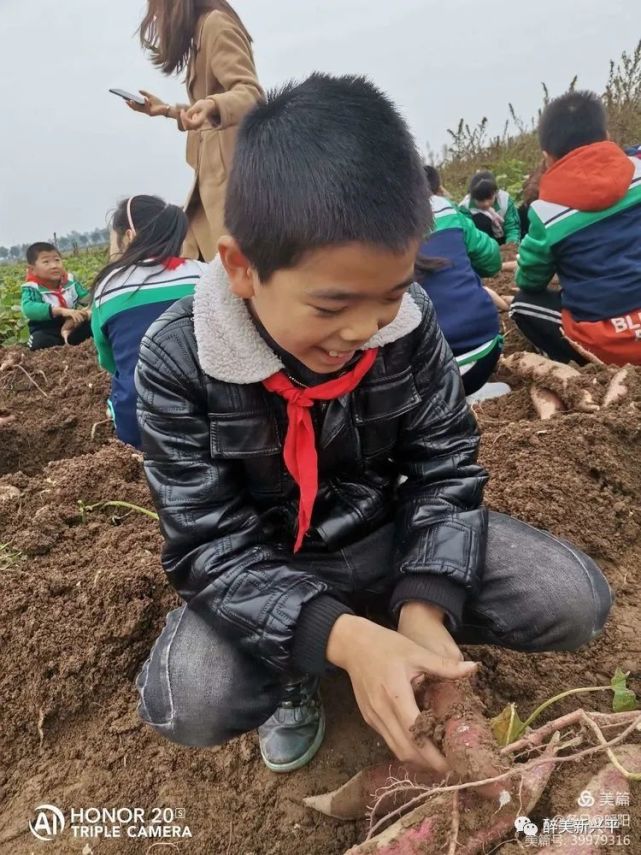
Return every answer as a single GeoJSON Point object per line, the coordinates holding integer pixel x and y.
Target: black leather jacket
{"type": "Point", "coordinates": [228, 507]}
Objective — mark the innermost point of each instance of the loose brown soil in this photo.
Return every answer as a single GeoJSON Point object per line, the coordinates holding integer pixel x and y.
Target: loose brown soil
{"type": "Point", "coordinates": [55, 421]}
{"type": "Point", "coordinates": [83, 600]}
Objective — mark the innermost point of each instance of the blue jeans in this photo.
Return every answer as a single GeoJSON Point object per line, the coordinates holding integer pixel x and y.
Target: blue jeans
{"type": "Point", "coordinates": [538, 593]}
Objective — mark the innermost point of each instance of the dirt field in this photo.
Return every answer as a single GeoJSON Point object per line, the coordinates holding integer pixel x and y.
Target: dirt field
{"type": "Point", "coordinates": [83, 597]}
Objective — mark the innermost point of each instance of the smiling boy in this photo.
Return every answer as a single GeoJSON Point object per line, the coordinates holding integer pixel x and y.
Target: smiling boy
{"type": "Point", "coordinates": [311, 455]}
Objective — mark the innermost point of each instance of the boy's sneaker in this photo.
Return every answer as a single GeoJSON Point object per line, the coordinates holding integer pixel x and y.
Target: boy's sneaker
{"type": "Point", "coordinates": [294, 733]}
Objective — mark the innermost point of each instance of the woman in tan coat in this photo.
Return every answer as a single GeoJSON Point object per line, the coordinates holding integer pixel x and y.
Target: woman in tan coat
{"type": "Point", "coordinates": [208, 40]}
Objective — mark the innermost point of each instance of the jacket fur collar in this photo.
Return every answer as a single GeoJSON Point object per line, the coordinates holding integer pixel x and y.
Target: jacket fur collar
{"type": "Point", "coordinates": [231, 349]}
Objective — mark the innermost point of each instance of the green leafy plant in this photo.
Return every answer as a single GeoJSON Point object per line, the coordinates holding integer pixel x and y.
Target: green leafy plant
{"type": "Point", "coordinates": [508, 727]}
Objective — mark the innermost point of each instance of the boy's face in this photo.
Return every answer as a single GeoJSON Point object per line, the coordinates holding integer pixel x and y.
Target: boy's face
{"type": "Point", "coordinates": [485, 204]}
{"type": "Point", "coordinates": [48, 266]}
{"type": "Point", "coordinates": [327, 307]}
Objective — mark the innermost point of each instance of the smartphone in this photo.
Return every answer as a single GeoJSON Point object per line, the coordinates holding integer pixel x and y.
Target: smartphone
{"type": "Point", "coordinates": [137, 99]}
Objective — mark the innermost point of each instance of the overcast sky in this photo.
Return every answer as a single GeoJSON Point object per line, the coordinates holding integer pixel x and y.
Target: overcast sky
{"type": "Point", "coordinates": [69, 150]}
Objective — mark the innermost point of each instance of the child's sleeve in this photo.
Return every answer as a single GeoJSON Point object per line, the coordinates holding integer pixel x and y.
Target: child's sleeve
{"type": "Point", "coordinates": [512, 224]}
{"type": "Point", "coordinates": [217, 554]}
{"type": "Point", "coordinates": [483, 250]}
{"type": "Point", "coordinates": [33, 306]}
{"type": "Point", "coordinates": [102, 343]}
{"type": "Point", "coordinates": [535, 261]}
{"type": "Point", "coordinates": [441, 524]}
{"type": "Point", "coordinates": [81, 293]}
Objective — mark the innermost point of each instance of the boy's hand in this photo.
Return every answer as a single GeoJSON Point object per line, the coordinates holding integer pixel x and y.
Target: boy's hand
{"type": "Point", "coordinates": [423, 624]}
{"type": "Point", "coordinates": [67, 328]}
{"type": "Point", "coordinates": [382, 664]}
{"type": "Point", "coordinates": [75, 315]}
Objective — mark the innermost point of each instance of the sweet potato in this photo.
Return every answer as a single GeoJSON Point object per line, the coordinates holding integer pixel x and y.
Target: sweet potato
{"type": "Point", "coordinates": [352, 800]}
{"type": "Point", "coordinates": [617, 388]}
{"type": "Point", "coordinates": [546, 403]}
{"type": "Point", "coordinates": [464, 733]}
{"type": "Point", "coordinates": [427, 829]}
{"type": "Point", "coordinates": [607, 780]}
{"type": "Point", "coordinates": [530, 787]}
{"type": "Point", "coordinates": [564, 380]}
{"type": "Point", "coordinates": [423, 830]}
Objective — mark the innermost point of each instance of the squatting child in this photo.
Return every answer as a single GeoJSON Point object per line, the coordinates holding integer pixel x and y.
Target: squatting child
{"type": "Point", "coordinates": [52, 300]}
{"type": "Point", "coordinates": [586, 228]}
{"type": "Point", "coordinates": [312, 456]}
{"type": "Point", "coordinates": [493, 210]}
{"type": "Point", "coordinates": [451, 260]}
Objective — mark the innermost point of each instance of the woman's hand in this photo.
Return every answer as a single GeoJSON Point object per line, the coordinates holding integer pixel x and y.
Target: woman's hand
{"type": "Point", "coordinates": [195, 117]}
{"type": "Point", "coordinates": [382, 664]}
{"type": "Point", "coordinates": [153, 105]}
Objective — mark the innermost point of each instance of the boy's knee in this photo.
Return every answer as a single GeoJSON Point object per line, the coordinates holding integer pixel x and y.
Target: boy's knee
{"type": "Point", "coordinates": [586, 615]}
{"type": "Point", "coordinates": [575, 611]}
{"type": "Point", "coordinates": [196, 731]}
{"type": "Point", "coordinates": [202, 712]}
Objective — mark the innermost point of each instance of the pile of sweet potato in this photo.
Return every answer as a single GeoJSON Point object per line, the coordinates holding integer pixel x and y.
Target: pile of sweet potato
{"type": "Point", "coordinates": [468, 813]}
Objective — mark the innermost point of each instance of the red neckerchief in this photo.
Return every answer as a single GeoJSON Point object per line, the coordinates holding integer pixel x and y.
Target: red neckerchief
{"type": "Point", "coordinates": [59, 293]}
{"type": "Point", "coordinates": [173, 263]}
{"type": "Point", "coordinates": [299, 452]}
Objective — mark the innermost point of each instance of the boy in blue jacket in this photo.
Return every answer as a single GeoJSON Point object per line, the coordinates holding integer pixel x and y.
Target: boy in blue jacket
{"type": "Point", "coordinates": [586, 228]}
{"type": "Point", "coordinates": [310, 452]}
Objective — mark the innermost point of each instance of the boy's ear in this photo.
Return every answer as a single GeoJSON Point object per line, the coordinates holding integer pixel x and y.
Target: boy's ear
{"type": "Point", "coordinates": [238, 268]}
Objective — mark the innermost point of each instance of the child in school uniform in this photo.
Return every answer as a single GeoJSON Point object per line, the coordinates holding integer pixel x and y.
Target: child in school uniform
{"type": "Point", "coordinates": [451, 260]}
{"type": "Point", "coordinates": [145, 276]}
{"type": "Point", "coordinates": [53, 301]}
{"type": "Point", "coordinates": [309, 450]}
{"type": "Point", "coordinates": [586, 228]}
{"type": "Point", "coordinates": [492, 210]}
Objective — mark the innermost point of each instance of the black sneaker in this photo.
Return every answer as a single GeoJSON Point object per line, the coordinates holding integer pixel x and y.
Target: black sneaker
{"type": "Point", "coordinates": [294, 733]}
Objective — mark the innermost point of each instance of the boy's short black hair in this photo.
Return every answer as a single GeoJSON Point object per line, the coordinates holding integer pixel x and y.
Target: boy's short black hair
{"type": "Point", "coordinates": [571, 121]}
{"type": "Point", "coordinates": [324, 162]}
{"type": "Point", "coordinates": [433, 177]}
{"type": "Point", "coordinates": [483, 186]}
{"type": "Point", "coordinates": [37, 248]}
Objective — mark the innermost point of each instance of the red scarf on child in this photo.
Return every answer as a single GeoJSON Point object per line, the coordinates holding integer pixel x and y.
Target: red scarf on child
{"type": "Point", "coordinates": [172, 263]}
{"type": "Point", "coordinates": [299, 452]}
{"type": "Point", "coordinates": [59, 293]}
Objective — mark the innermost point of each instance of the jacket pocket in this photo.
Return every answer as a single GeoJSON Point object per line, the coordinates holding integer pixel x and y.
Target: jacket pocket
{"type": "Point", "coordinates": [243, 435]}
{"type": "Point", "coordinates": [378, 407]}
{"type": "Point", "coordinates": [212, 168]}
